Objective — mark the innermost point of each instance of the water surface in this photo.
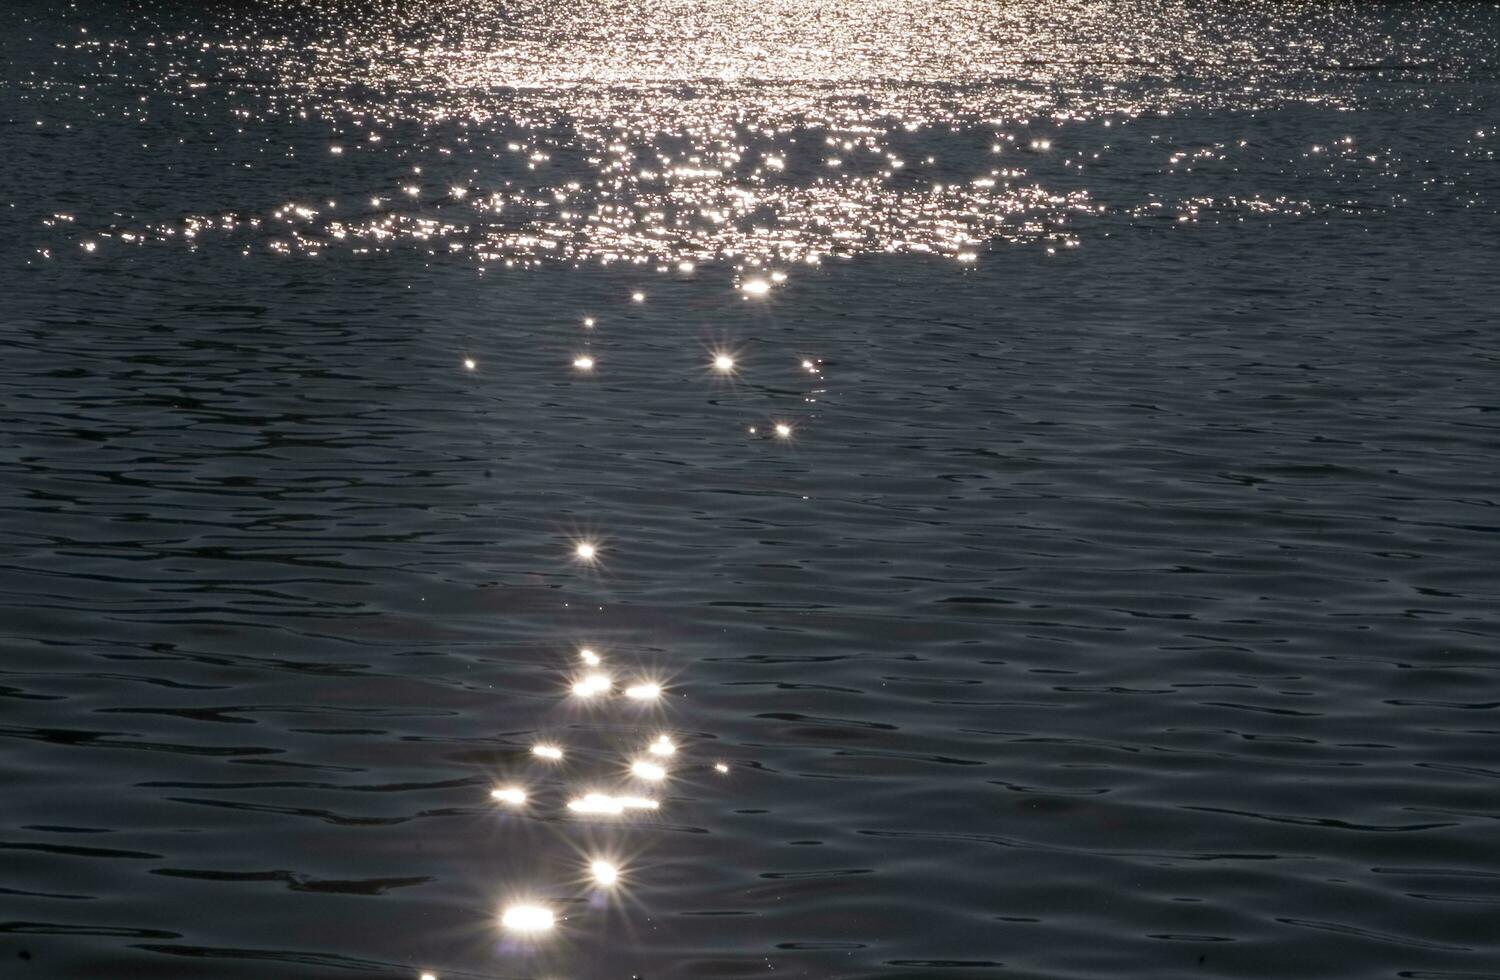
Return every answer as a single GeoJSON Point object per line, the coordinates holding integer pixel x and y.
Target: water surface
{"type": "Point", "coordinates": [1120, 601]}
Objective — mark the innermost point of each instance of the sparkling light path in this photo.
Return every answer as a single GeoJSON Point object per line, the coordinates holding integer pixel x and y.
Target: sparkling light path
{"type": "Point", "coordinates": [594, 690]}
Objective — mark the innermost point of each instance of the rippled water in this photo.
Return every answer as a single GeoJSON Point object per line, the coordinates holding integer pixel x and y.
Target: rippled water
{"type": "Point", "coordinates": [1117, 597]}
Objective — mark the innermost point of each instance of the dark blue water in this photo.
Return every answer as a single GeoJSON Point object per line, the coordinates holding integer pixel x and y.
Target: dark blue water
{"type": "Point", "coordinates": [1119, 601]}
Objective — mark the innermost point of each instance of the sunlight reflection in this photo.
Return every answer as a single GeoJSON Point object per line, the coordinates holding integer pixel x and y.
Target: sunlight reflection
{"type": "Point", "coordinates": [592, 684]}
{"type": "Point", "coordinates": [527, 918]}
{"type": "Point", "coordinates": [643, 692]}
{"type": "Point", "coordinates": [604, 873]}
{"type": "Point", "coordinates": [649, 771]}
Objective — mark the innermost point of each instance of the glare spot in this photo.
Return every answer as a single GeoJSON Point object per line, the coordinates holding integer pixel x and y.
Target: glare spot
{"type": "Point", "coordinates": [649, 771]}
{"type": "Point", "coordinates": [469, 364]}
{"type": "Point", "coordinates": [756, 287]}
{"type": "Point", "coordinates": [720, 767]}
{"type": "Point", "coordinates": [643, 692]}
{"type": "Point", "coordinates": [584, 363]}
{"type": "Point", "coordinates": [685, 267]}
{"type": "Point", "coordinates": [545, 751]}
{"type": "Point", "coordinates": [604, 873]}
{"type": "Point", "coordinates": [723, 363]}
{"type": "Point", "coordinates": [636, 803]}
{"type": "Point", "coordinates": [638, 297]}
{"type": "Point", "coordinates": [589, 657]}
{"type": "Point", "coordinates": [592, 684]}
{"type": "Point", "coordinates": [783, 431]}
{"type": "Point", "coordinates": [662, 746]}
{"type": "Point", "coordinates": [588, 321]}
{"type": "Point", "coordinates": [586, 551]}
{"type": "Point", "coordinates": [808, 365]}
{"type": "Point", "coordinates": [596, 803]}
{"type": "Point", "coordinates": [513, 795]}
{"type": "Point", "coordinates": [428, 976]}
{"type": "Point", "coordinates": [527, 918]}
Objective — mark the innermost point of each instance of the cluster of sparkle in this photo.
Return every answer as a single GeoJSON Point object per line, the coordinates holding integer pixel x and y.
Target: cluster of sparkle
{"type": "Point", "coordinates": [649, 768]}
{"type": "Point", "coordinates": [634, 787]}
{"type": "Point", "coordinates": [491, 148]}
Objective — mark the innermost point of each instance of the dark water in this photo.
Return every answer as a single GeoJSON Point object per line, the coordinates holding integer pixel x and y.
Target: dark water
{"type": "Point", "coordinates": [1123, 602]}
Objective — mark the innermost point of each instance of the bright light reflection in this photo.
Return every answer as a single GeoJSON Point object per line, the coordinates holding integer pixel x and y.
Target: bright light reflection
{"type": "Point", "coordinates": [605, 874]}
{"type": "Point", "coordinates": [643, 692]}
{"type": "Point", "coordinates": [724, 363]}
{"type": "Point", "coordinates": [589, 657]}
{"type": "Point", "coordinates": [545, 751]}
{"type": "Point", "coordinates": [662, 746]}
{"type": "Point", "coordinates": [512, 795]}
{"type": "Point", "coordinates": [592, 684]}
{"type": "Point", "coordinates": [783, 431]}
{"type": "Point", "coordinates": [584, 363]}
{"type": "Point", "coordinates": [638, 297]}
{"type": "Point", "coordinates": [596, 803]}
{"type": "Point", "coordinates": [588, 321]}
{"type": "Point", "coordinates": [720, 767]}
{"type": "Point", "coordinates": [527, 918]}
{"type": "Point", "coordinates": [636, 802]}
{"type": "Point", "coordinates": [601, 803]}
{"type": "Point", "coordinates": [469, 364]}
{"type": "Point", "coordinates": [649, 771]}
{"type": "Point", "coordinates": [756, 287]}
{"type": "Point", "coordinates": [586, 551]}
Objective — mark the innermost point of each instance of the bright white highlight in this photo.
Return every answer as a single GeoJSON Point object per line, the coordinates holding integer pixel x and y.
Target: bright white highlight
{"type": "Point", "coordinates": [720, 767]}
{"type": "Point", "coordinates": [545, 751]}
{"type": "Point", "coordinates": [589, 657]}
{"type": "Point", "coordinates": [604, 873]}
{"type": "Point", "coordinates": [600, 803]}
{"type": "Point", "coordinates": [649, 771]}
{"type": "Point", "coordinates": [596, 803]}
{"type": "Point", "coordinates": [636, 802]}
{"type": "Point", "coordinates": [592, 684]}
{"type": "Point", "coordinates": [584, 363]}
{"type": "Point", "coordinates": [513, 795]}
{"type": "Point", "coordinates": [662, 746]}
{"type": "Point", "coordinates": [783, 431]}
{"type": "Point", "coordinates": [756, 287]}
{"type": "Point", "coordinates": [586, 551]}
{"type": "Point", "coordinates": [638, 297]}
{"type": "Point", "coordinates": [643, 692]}
{"type": "Point", "coordinates": [724, 363]}
{"type": "Point", "coordinates": [527, 918]}
{"type": "Point", "coordinates": [469, 364]}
